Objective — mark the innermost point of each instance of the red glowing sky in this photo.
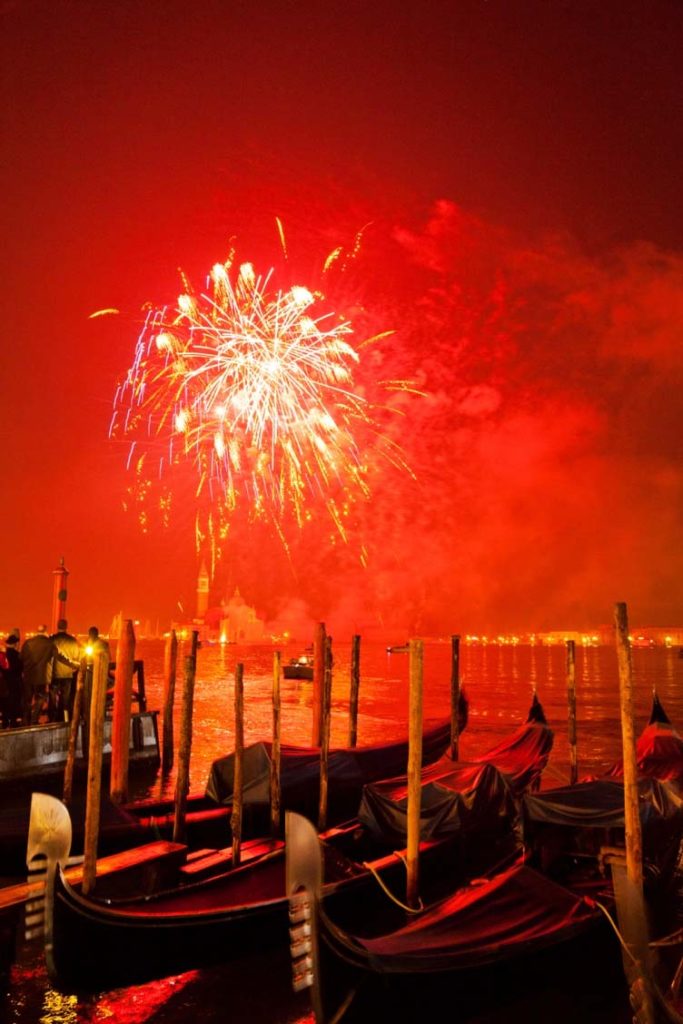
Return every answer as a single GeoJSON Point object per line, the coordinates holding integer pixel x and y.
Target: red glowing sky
{"type": "Point", "coordinates": [520, 165]}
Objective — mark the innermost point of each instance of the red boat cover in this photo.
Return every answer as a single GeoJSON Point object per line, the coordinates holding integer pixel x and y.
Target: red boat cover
{"type": "Point", "coordinates": [659, 750]}
{"type": "Point", "coordinates": [514, 913]}
{"type": "Point", "coordinates": [458, 795]}
{"type": "Point", "coordinates": [349, 770]}
{"type": "Point", "coordinates": [523, 757]}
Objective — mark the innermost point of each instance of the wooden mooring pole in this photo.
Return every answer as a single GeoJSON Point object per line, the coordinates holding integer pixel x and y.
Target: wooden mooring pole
{"type": "Point", "coordinates": [275, 754]}
{"type": "Point", "coordinates": [170, 670]}
{"type": "Point", "coordinates": [318, 682]}
{"type": "Point", "coordinates": [74, 728]}
{"type": "Point", "coordinates": [238, 776]}
{"type": "Point", "coordinates": [325, 737]}
{"type": "Point", "coordinates": [571, 707]}
{"type": "Point", "coordinates": [355, 686]}
{"type": "Point", "coordinates": [182, 787]}
{"type": "Point", "coordinates": [636, 922]}
{"type": "Point", "coordinates": [455, 697]}
{"type": "Point", "coordinates": [94, 783]}
{"type": "Point", "coordinates": [416, 655]}
{"type": "Point", "coordinates": [120, 727]}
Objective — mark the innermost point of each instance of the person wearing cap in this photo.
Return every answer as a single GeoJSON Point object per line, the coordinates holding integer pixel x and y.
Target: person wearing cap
{"type": "Point", "coordinates": [65, 664]}
{"type": "Point", "coordinates": [38, 654]}
{"type": "Point", "coordinates": [11, 690]}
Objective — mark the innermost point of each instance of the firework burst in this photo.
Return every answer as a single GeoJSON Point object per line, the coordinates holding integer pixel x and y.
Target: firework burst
{"type": "Point", "coordinates": [255, 387]}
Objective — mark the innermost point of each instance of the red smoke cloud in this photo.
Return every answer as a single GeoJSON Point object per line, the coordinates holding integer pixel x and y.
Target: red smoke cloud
{"type": "Point", "coordinates": [546, 448]}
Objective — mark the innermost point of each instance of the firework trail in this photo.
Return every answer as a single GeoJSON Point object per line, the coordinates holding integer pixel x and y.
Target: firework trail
{"type": "Point", "coordinates": [254, 386]}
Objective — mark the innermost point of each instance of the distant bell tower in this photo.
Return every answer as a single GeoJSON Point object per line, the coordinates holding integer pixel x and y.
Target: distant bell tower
{"type": "Point", "coordinates": [59, 593]}
{"type": "Point", "coordinates": [202, 591]}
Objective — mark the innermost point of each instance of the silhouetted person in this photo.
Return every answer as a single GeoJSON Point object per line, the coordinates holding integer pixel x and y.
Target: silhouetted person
{"type": "Point", "coordinates": [96, 644]}
{"type": "Point", "coordinates": [37, 656]}
{"type": "Point", "coordinates": [66, 664]}
{"type": "Point", "coordinates": [11, 689]}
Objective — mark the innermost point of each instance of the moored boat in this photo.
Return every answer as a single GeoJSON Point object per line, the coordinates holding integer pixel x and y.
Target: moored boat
{"type": "Point", "coordinates": [299, 668]}
{"type": "Point", "coordinates": [217, 911]}
{"type": "Point", "coordinates": [487, 938]}
{"type": "Point", "coordinates": [34, 751]}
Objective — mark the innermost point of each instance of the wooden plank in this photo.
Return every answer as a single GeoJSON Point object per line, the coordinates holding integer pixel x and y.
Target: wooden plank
{"type": "Point", "coordinates": [12, 895]}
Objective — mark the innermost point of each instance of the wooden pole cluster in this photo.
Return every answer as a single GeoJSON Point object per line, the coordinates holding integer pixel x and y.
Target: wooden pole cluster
{"type": "Point", "coordinates": [73, 732]}
{"type": "Point", "coordinates": [416, 654]}
{"type": "Point", "coordinates": [185, 743]}
{"type": "Point", "coordinates": [275, 754]}
{"type": "Point", "coordinates": [455, 697]}
{"type": "Point", "coordinates": [237, 786]}
{"type": "Point", "coordinates": [120, 728]}
{"type": "Point", "coordinates": [96, 744]}
{"type": "Point", "coordinates": [325, 737]}
{"type": "Point", "coordinates": [170, 670]}
{"type": "Point", "coordinates": [318, 682]}
{"type": "Point", "coordinates": [571, 704]}
{"type": "Point", "coordinates": [355, 685]}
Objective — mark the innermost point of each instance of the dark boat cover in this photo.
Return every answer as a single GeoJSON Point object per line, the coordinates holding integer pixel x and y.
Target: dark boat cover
{"type": "Point", "coordinates": [349, 770]}
{"type": "Point", "coordinates": [515, 913]}
{"type": "Point", "coordinates": [600, 804]}
{"type": "Point", "coordinates": [458, 795]}
{"type": "Point", "coordinates": [659, 750]}
{"type": "Point", "coordinates": [464, 797]}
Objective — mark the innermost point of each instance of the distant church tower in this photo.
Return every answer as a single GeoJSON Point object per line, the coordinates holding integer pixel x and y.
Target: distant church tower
{"type": "Point", "coordinates": [202, 591]}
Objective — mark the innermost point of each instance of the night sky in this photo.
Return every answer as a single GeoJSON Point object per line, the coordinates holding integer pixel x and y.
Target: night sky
{"type": "Point", "coordinates": [519, 167]}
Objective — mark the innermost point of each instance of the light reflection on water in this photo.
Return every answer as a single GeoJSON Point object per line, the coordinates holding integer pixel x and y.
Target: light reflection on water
{"type": "Point", "coordinates": [499, 682]}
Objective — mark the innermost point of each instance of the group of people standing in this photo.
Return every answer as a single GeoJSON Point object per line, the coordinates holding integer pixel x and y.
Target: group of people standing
{"type": "Point", "coordinates": [37, 678]}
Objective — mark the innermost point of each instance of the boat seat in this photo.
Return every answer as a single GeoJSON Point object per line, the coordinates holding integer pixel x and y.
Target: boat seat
{"type": "Point", "coordinates": [216, 861]}
{"type": "Point", "coordinates": [135, 866]}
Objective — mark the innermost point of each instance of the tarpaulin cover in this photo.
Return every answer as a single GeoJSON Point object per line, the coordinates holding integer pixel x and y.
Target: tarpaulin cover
{"type": "Point", "coordinates": [659, 750]}
{"type": "Point", "coordinates": [456, 795]}
{"type": "Point", "coordinates": [523, 757]}
{"type": "Point", "coordinates": [464, 797]}
{"type": "Point", "coordinates": [600, 804]}
{"type": "Point", "coordinates": [349, 770]}
{"type": "Point", "coordinates": [517, 912]}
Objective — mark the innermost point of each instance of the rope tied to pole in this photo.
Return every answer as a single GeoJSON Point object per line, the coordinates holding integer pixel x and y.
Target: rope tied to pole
{"type": "Point", "coordinates": [387, 892]}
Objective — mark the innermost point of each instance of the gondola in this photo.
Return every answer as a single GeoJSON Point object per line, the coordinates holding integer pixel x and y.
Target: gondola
{"type": "Point", "coordinates": [540, 922]}
{"type": "Point", "coordinates": [93, 944]}
{"type": "Point", "coordinates": [207, 822]}
{"type": "Point", "coordinates": [500, 932]}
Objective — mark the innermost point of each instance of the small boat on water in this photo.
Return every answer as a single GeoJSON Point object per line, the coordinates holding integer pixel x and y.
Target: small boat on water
{"type": "Point", "coordinates": [299, 668]}
{"type": "Point", "coordinates": [398, 648]}
{"type": "Point", "coordinates": [217, 911]}
{"type": "Point", "coordinates": [31, 752]}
